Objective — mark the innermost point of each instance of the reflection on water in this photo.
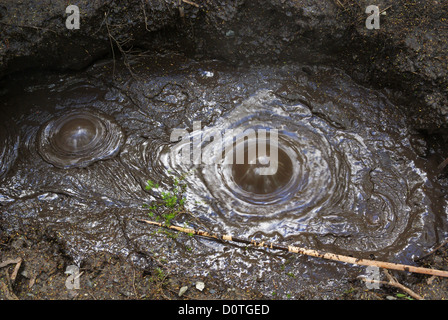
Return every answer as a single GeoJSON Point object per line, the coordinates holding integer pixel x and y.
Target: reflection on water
{"type": "Point", "coordinates": [248, 175]}
{"type": "Point", "coordinates": [79, 138]}
{"type": "Point", "coordinates": [331, 182]}
{"type": "Point", "coordinates": [346, 178]}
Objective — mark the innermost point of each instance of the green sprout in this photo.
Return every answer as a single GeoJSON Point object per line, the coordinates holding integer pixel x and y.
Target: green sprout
{"type": "Point", "coordinates": [150, 185]}
{"type": "Point", "coordinates": [401, 295]}
{"type": "Point", "coordinates": [170, 203]}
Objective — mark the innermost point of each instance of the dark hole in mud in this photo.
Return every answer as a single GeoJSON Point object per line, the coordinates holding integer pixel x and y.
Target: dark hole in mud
{"type": "Point", "coordinates": [352, 176]}
{"type": "Point", "coordinates": [248, 176]}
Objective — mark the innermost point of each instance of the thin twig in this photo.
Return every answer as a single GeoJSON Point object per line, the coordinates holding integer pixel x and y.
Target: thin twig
{"type": "Point", "coordinates": [78, 275]}
{"type": "Point", "coordinates": [191, 3]}
{"type": "Point", "coordinates": [133, 285]}
{"type": "Point", "coordinates": [341, 5]}
{"type": "Point", "coordinates": [444, 242]}
{"type": "Point", "coordinates": [110, 40]}
{"type": "Point", "coordinates": [10, 261]}
{"type": "Point", "coordinates": [25, 26]}
{"type": "Point", "coordinates": [441, 166]}
{"type": "Point", "coordinates": [384, 10]}
{"type": "Point", "coordinates": [16, 270]}
{"type": "Point", "coordinates": [394, 283]}
{"type": "Point", "coordinates": [144, 15]}
{"type": "Point", "coordinates": [125, 53]}
{"type": "Point", "coordinates": [119, 45]}
{"type": "Point", "coordinates": [308, 252]}
{"type": "Point", "coordinates": [91, 294]}
{"type": "Point", "coordinates": [9, 295]}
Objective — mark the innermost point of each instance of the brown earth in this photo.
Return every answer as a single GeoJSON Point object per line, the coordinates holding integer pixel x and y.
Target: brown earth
{"type": "Point", "coordinates": [41, 275]}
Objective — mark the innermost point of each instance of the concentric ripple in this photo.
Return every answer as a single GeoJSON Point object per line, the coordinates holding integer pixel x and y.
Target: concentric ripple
{"type": "Point", "coordinates": [345, 180]}
{"type": "Point", "coordinates": [79, 138]}
{"type": "Point", "coordinates": [319, 184]}
{"type": "Point", "coordinates": [302, 176]}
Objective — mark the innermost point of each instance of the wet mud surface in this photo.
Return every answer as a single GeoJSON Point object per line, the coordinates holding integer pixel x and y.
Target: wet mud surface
{"type": "Point", "coordinates": [78, 149]}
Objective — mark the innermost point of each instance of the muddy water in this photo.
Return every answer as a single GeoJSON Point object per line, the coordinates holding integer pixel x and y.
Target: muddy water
{"type": "Point", "coordinates": [77, 149]}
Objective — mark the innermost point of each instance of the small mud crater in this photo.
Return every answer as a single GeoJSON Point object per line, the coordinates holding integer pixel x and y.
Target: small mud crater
{"type": "Point", "coordinates": [79, 138]}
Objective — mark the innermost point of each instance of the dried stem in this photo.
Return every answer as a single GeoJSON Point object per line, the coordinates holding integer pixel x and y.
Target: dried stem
{"type": "Point", "coordinates": [394, 283]}
{"type": "Point", "coordinates": [308, 252]}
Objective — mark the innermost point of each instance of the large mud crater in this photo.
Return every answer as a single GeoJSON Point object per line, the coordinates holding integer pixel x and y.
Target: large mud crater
{"type": "Point", "coordinates": [78, 148]}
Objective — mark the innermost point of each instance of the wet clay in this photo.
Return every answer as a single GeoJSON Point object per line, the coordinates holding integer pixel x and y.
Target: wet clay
{"type": "Point", "coordinates": [77, 149]}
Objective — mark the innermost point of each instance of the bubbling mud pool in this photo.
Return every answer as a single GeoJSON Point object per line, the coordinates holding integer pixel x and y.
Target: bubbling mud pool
{"type": "Point", "coordinates": [79, 138]}
{"type": "Point", "coordinates": [77, 150]}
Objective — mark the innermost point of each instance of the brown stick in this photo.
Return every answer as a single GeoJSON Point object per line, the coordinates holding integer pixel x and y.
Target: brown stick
{"type": "Point", "coordinates": [10, 261]}
{"type": "Point", "coordinates": [394, 283]}
{"type": "Point", "coordinates": [191, 3]}
{"type": "Point", "coordinates": [308, 252]}
{"type": "Point", "coordinates": [9, 295]}
{"type": "Point", "coordinates": [444, 242]}
{"type": "Point", "coordinates": [16, 269]}
{"type": "Point", "coordinates": [442, 165]}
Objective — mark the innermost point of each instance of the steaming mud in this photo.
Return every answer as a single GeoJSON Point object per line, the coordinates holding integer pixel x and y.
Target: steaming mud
{"type": "Point", "coordinates": [347, 179]}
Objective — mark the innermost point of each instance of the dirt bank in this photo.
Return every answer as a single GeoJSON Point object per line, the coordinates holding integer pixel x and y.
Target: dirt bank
{"type": "Point", "coordinates": [407, 53]}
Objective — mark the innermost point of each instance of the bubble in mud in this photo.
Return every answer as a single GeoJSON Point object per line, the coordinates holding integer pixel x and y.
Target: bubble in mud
{"type": "Point", "coordinates": [328, 181]}
{"type": "Point", "coordinates": [76, 135]}
{"type": "Point", "coordinates": [249, 178]}
{"type": "Point", "coordinates": [79, 138]}
{"type": "Point", "coordinates": [307, 173]}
